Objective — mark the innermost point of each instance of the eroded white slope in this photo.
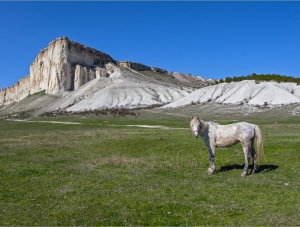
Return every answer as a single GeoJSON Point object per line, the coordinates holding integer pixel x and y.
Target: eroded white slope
{"type": "Point", "coordinates": [250, 92]}
{"type": "Point", "coordinates": [121, 92]}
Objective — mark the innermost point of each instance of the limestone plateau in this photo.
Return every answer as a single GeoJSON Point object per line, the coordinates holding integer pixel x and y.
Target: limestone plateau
{"type": "Point", "coordinates": [65, 66]}
{"type": "Point", "coordinates": [68, 76]}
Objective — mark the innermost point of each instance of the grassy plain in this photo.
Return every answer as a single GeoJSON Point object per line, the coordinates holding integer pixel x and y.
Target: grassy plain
{"type": "Point", "coordinates": [104, 172]}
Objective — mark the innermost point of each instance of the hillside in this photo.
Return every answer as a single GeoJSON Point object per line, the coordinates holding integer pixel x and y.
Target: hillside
{"type": "Point", "coordinates": [245, 92]}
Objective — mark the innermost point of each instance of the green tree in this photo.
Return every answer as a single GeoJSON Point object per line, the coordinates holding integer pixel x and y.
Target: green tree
{"type": "Point", "coordinates": [228, 79]}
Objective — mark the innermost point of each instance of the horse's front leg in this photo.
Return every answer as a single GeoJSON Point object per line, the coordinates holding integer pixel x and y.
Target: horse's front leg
{"type": "Point", "coordinates": [212, 167]}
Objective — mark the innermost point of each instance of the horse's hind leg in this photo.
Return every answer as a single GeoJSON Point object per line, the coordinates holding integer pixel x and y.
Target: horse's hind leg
{"type": "Point", "coordinates": [253, 154]}
{"type": "Point", "coordinates": [247, 159]}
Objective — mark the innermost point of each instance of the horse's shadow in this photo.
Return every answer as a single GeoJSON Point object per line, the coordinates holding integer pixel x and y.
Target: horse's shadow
{"type": "Point", "coordinates": [262, 168]}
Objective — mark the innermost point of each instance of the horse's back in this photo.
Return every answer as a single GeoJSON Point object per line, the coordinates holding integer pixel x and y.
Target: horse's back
{"type": "Point", "coordinates": [234, 128]}
{"type": "Point", "coordinates": [228, 135]}
{"type": "Point", "coordinates": [246, 132]}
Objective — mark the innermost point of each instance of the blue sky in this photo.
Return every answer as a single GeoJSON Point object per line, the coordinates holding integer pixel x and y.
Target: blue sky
{"type": "Point", "coordinates": [206, 38]}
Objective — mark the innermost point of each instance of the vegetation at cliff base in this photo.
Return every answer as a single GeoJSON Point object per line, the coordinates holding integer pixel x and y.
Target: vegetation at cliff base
{"type": "Point", "coordinates": [43, 92]}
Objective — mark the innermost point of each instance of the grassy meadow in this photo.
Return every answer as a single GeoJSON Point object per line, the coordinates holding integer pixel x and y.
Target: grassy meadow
{"type": "Point", "coordinates": [106, 171]}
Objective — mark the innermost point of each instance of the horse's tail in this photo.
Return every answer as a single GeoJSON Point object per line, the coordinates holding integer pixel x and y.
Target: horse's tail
{"type": "Point", "coordinates": [259, 143]}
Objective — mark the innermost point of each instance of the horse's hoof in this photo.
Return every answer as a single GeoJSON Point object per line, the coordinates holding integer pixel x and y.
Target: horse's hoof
{"type": "Point", "coordinates": [243, 174]}
{"type": "Point", "coordinates": [254, 171]}
{"type": "Point", "coordinates": [210, 171]}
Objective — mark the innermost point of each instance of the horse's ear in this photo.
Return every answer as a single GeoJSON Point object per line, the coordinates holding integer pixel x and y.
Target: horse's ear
{"type": "Point", "coordinates": [198, 118]}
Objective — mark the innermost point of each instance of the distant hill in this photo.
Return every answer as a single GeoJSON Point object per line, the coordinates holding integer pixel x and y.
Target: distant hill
{"type": "Point", "coordinates": [261, 77]}
{"type": "Point", "coordinates": [246, 92]}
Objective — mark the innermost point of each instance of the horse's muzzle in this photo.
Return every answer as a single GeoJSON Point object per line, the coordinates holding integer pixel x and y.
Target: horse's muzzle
{"type": "Point", "coordinates": [196, 134]}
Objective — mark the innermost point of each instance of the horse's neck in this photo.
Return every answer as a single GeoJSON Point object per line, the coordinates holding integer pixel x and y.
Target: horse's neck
{"type": "Point", "coordinates": [204, 126]}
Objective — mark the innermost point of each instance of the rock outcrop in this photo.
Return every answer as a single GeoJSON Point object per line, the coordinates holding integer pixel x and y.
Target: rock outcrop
{"type": "Point", "coordinates": [190, 79]}
{"type": "Point", "coordinates": [140, 67]}
{"type": "Point", "coordinates": [177, 78]}
{"type": "Point", "coordinates": [63, 66]}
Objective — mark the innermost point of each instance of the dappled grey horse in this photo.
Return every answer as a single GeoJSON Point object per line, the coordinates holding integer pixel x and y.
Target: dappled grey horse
{"type": "Point", "coordinates": [216, 135]}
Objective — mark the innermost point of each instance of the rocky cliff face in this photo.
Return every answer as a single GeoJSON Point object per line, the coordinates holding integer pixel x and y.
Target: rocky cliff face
{"type": "Point", "coordinates": [17, 92]}
{"type": "Point", "coordinates": [64, 65]}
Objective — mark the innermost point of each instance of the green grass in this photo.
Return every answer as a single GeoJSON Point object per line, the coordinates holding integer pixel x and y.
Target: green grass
{"type": "Point", "coordinates": [103, 172]}
{"type": "Point", "coordinates": [43, 92]}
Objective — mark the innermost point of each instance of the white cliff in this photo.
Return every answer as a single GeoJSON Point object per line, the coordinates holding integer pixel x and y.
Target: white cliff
{"type": "Point", "coordinates": [63, 66]}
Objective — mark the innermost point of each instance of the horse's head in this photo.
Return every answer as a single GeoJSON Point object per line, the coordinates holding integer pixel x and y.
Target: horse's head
{"type": "Point", "coordinates": [195, 126]}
